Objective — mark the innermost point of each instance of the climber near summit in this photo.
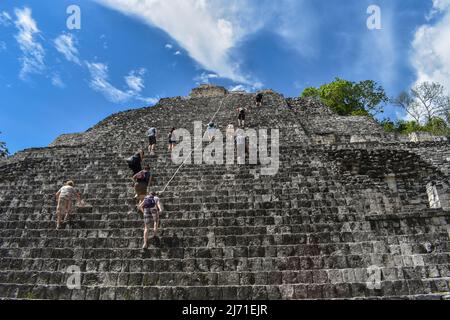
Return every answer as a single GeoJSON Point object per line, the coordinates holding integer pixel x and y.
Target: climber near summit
{"type": "Point", "coordinates": [64, 198]}
{"type": "Point", "coordinates": [259, 99]}
{"type": "Point", "coordinates": [151, 208]}
{"type": "Point", "coordinates": [152, 135]}
{"type": "Point", "coordinates": [241, 116]}
{"type": "Point", "coordinates": [211, 131]}
{"type": "Point", "coordinates": [172, 139]}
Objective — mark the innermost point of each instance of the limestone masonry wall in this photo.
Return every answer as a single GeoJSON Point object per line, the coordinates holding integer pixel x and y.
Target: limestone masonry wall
{"type": "Point", "coordinates": [353, 213]}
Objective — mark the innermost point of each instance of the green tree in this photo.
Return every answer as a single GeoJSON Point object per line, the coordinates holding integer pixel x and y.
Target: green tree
{"type": "Point", "coordinates": [349, 98]}
{"type": "Point", "coordinates": [389, 125]}
{"type": "Point", "coordinates": [3, 150]}
{"type": "Point", "coordinates": [438, 127]}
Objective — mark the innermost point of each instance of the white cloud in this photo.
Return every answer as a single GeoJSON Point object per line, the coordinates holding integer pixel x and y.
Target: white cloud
{"type": "Point", "coordinates": [178, 53]}
{"type": "Point", "coordinates": [66, 45]}
{"type": "Point", "coordinates": [441, 4]}
{"type": "Point", "coordinates": [205, 77]}
{"type": "Point", "coordinates": [100, 82]}
{"type": "Point", "coordinates": [33, 52]}
{"type": "Point", "coordinates": [149, 101]}
{"type": "Point", "coordinates": [57, 81]}
{"type": "Point", "coordinates": [5, 18]}
{"type": "Point", "coordinates": [246, 88]}
{"type": "Point", "coordinates": [2, 46]}
{"type": "Point", "coordinates": [239, 87]}
{"type": "Point", "coordinates": [135, 80]}
{"type": "Point", "coordinates": [168, 46]}
{"type": "Point", "coordinates": [207, 30]}
{"type": "Point", "coordinates": [431, 48]}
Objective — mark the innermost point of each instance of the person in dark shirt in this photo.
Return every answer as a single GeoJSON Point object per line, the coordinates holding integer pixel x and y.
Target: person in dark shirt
{"type": "Point", "coordinates": [142, 181]}
{"type": "Point", "coordinates": [259, 99]}
{"type": "Point", "coordinates": [172, 139]}
{"type": "Point", "coordinates": [241, 116]}
{"type": "Point", "coordinates": [135, 162]}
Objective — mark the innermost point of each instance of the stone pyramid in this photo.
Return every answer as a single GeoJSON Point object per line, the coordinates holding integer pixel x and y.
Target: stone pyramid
{"type": "Point", "coordinates": [353, 212]}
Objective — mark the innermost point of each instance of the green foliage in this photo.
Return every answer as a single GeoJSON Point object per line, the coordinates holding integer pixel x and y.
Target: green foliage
{"type": "Point", "coordinates": [311, 92]}
{"type": "Point", "coordinates": [349, 98]}
{"type": "Point", "coordinates": [436, 126]}
{"type": "Point", "coordinates": [388, 126]}
{"type": "Point", "coordinates": [360, 113]}
{"type": "Point", "coordinates": [3, 149]}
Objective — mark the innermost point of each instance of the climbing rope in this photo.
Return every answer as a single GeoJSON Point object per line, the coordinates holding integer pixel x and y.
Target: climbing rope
{"type": "Point", "coordinates": [192, 151]}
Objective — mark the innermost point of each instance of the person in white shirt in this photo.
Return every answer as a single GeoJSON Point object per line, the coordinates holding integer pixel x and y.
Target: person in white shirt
{"type": "Point", "coordinates": [152, 135]}
{"type": "Point", "coordinates": [65, 197]}
{"type": "Point", "coordinates": [211, 131]}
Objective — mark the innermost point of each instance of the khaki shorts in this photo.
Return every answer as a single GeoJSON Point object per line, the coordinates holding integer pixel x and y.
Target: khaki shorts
{"type": "Point", "coordinates": [151, 215]}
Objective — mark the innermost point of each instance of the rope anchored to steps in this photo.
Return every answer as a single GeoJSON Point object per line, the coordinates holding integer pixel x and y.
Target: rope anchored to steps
{"type": "Point", "coordinates": [192, 151]}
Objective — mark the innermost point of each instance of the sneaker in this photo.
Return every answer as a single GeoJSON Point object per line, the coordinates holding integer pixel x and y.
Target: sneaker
{"type": "Point", "coordinates": [145, 247]}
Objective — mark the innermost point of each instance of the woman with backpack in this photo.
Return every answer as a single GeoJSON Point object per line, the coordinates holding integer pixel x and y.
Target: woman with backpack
{"type": "Point", "coordinates": [151, 208]}
{"type": "Point", "coordinates": [142, 180]}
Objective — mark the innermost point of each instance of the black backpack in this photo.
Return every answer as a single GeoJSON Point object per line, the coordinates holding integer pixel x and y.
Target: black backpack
{"type": "Point", "coordinates": [133, 161]}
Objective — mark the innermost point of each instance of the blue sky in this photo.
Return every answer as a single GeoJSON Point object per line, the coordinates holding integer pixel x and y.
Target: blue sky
{"type": "Point", "coordinates": [128, 54]}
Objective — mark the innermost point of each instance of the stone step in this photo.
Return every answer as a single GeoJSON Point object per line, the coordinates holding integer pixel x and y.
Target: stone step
{"type": "Point", "coordinates": [413, 289]}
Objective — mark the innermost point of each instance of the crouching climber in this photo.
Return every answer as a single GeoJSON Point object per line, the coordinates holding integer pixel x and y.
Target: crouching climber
{"type": "Point", "coordinates": [142, 181]}
{"type": "Point", "coordinates": [259, 99]}
{"type": "Point", "coordinates": [65, 197]}
{"type": "Point", "coordinates": [135, 162]}
{"type": "Point", "coordinates": [151, 208]}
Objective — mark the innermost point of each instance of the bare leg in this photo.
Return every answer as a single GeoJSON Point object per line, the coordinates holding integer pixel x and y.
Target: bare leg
{"type": "Point", "coordinates": [145, 246]}
{"type": "Point", "coordinates": [58, 214]}
{"type": "Point", "coordinates": [155, 227]}
{"type": "Point", "coordinates": [141, 199]}
{"type": "Point", "coordinates": [68, 210]}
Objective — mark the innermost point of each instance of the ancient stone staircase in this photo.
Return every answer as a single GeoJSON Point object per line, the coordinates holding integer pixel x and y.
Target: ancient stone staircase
{"type": "Point", "coordinates": [327, 226]}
